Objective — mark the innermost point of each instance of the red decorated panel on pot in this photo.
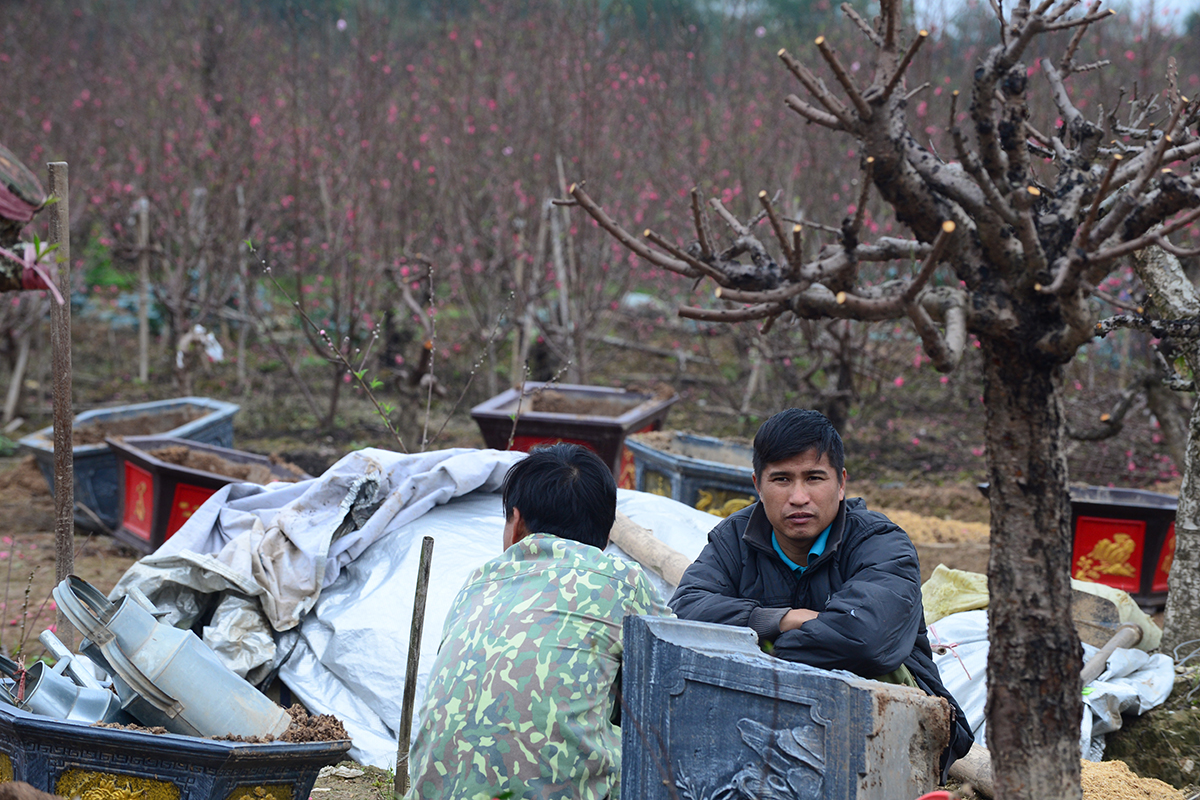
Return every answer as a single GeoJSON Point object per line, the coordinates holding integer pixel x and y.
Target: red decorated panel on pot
{"type": "Point", "coordinates": [1109, 551]}
{"type": "Point", "coordinates": [187, 499]}
{"type": "Point", "coordinates": [139, 501]}
{"type": "Point", "coordinates": [1164, 562]}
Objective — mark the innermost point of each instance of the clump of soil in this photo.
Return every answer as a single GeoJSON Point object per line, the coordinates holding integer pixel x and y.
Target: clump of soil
{"type": "Point", "coordinates": [1112, 780]}
{"type": "Point", "coordinates": [306, 728]}
{"type": "Point", "coordinates": [141, 425]}
{"type": "Point", "coordinates": [184, 456]}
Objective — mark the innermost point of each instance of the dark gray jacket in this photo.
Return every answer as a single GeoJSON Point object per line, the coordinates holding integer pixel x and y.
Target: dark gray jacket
{"type": "Point", "coordinates": [866, 588]}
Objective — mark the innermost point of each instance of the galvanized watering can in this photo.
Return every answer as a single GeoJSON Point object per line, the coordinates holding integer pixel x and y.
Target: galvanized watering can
{"type": "Point", "coordinates": [50, 694]}
{"type": "Point", "coordinates": [170, 677]}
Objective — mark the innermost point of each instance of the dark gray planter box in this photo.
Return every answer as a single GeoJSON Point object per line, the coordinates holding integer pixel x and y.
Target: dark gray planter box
{"type": "Point", "coordinates": [705, 473]}
{"type": "Point", "coordinates": [71, 759]}
{"type": "Point", "coordinates": [96, 481]}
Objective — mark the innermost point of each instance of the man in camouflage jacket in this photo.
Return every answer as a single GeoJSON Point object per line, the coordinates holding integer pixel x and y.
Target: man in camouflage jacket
{"type": "Point", "coordinates": [525, 684]}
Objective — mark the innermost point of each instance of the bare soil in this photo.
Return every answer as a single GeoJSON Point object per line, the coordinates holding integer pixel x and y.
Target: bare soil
{"type": "Point", "coordinates": [552, 401]}
{"type": "Point", "coordinates": [145, 425]}
{"type": "Point", "coordinates": [184, 456]}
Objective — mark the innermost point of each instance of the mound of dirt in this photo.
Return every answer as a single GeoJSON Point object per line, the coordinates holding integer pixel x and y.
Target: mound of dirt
{"type": "Point", "coordinates": [306, 728]}
{"type": "Point", "coordinates": [932, 530]}
{"type": "Point", "coordinates": [1112, 780]}
{"type": "Point", "coordinates": [949, 501]}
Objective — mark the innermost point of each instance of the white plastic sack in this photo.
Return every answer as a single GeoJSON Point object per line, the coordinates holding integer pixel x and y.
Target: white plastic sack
{"type": "Point", "coordinates": [1132, 683]}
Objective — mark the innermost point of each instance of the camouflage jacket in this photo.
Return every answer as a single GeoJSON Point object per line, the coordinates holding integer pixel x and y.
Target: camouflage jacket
{"type": "Point", "coordinates": [522, 691]}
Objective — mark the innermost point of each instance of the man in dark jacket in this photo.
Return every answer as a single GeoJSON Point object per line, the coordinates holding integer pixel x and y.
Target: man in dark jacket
{"type": "Point", "coordinates": [825, 581]}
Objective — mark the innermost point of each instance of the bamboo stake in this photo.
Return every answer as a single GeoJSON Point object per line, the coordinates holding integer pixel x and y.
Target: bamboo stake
{"type": "Point", "coordinates": [143, 209]}
{"type": "Point", "coordinates": [410, 674]}
{"type": "Point", "coordinates": [60, 346]}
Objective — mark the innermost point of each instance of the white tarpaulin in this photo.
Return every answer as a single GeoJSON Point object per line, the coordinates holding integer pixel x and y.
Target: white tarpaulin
{"type": "Point", "coordinates": [1132, 683]}
{"type": "Point", "coordinates": [331, 565]}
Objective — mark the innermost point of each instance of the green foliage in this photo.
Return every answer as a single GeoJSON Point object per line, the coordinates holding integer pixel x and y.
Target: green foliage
{"type": "Point", "coordinates": [7, 446]}
{"type": "Point", "coordinates": [99, 269]}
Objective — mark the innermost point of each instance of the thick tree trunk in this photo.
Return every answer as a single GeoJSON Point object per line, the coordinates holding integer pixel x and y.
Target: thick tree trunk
{"type": "Point", "coordinates": [1034, 706]}
{"type": "Point", "coordinates": [1181, 623]}
{"type": "Point", "coordinates": [1173, 296]}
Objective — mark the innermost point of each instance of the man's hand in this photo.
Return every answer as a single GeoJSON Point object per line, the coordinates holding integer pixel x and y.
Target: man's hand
{"type": "Point", "coordinates": [795, 618]}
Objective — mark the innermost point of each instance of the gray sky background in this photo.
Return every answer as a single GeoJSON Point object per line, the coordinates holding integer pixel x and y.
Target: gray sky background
{"type": "Point", "coordinates": [1170, 12]}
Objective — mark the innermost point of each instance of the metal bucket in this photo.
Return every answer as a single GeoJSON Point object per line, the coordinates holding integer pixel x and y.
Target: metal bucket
{"type": "Point", "coordinates": [50, 694]}
{"type": "Point", "coordinates": [185, 686]}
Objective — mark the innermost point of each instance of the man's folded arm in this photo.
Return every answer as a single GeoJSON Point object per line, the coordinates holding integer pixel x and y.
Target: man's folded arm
{"type": "Point", "coordinates": [709, 588]}
{"type": "Point", "coordinates": [868, 626]}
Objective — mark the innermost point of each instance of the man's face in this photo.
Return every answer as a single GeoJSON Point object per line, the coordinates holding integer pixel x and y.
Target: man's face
{"type": "Point", "coordinates": [800, 496]}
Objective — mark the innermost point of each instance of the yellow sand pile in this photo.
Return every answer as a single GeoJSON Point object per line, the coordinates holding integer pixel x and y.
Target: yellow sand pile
{"type": "Point", "coordinates": [1113, 780]}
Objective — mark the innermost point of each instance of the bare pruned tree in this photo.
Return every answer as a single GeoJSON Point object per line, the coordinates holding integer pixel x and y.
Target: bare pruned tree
{"type": "Point", "coordinates": [1023, 224]}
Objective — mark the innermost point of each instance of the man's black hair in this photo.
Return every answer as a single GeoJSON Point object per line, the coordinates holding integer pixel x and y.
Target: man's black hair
{"type": "Point", "coordinates": [565, 490]}
{"type": "Point", "coordinates": [794, 431]}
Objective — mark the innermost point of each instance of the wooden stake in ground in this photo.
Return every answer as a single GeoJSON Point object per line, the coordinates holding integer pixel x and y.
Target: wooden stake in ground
{"type": "Point", "coordinates": [143, 212]}
{"type": "Point", "coordinates": [410, 674]}
{"type": "Point", "coordinates": [60, 345]}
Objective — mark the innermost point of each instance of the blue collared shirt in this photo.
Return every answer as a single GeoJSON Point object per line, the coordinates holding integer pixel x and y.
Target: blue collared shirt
{"type": "Point", "coordinates": [818, 547]}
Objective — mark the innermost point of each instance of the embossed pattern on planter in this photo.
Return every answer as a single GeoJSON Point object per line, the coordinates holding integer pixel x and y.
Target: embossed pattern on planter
{"type": "Point", "coordinates": [708, 716]}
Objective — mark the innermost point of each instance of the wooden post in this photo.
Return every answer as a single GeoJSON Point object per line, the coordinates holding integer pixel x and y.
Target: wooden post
{"type": "Point", "coordinates": [410, 674]}
{"type": "Point", "coordinates": [64, 417]}
{"type": "Point", "coordinates": [143, 209]}
{"type": "Point", "coordinates": [244, 299]}
{"type": "Point", "coordinates": [18, 377]}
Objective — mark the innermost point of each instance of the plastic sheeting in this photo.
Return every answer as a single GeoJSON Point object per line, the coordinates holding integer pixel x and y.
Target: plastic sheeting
{"type": "Point", "coordinates": [1132, 683]}
{"type": "Point", "coordinates": [348, 656]}
{"type": "Point", "coordinates": [317, 578]}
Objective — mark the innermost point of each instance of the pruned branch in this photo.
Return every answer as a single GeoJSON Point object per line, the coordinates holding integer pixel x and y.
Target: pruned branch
{"type": "Point", "coordinates": [700, 219]}
{"type": "Point", "coordinates": [629, 240]}
{"type": "Point", "coordinates": [1145, 240]}
{"type": "Point", "coordinates": [904, 62]}
{"type": "Point", "coordinates": [862, 24]}
{"type": "Point", "coordinates": [1159, 328]}
{"type": "Point", "coordinates": [731, 314]}
{"type": "Point", "coordinates": [839, 72]}
{"type": "Point", "coordinates": [817, 90]}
